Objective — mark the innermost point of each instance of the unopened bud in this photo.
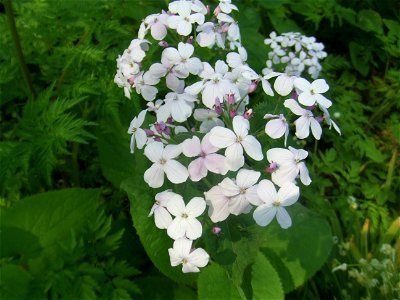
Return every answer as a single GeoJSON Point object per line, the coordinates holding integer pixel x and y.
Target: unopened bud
{"type": "Point", "coordinates": [190, 40]}
{"type": "Point", "coordinates": [252, 87]}
{"type": "Point", "coordinates": [170, 120]}
{"type": "Point", "coordinates": [319, 119]}
{"type": "Point", "coordinates": [149, 132]}
{"type": "Point", "coordinates": [232, 113]}
{"type": "Point", "coordinates": [208, 9]}
{"type": "Point", "coordinates": [217, 10]}
{"type": "Point", "coordinates": [248, 114]}
{"type": "Point", "coordinates": [231, 99]}
{"type": "Point", "coordinates": [272, 167]}
{"type": "Point", "coordinates": [216, 230]}
{"type": "Point", "coordinates": [217, 106]}
{"type": "Point", "coordinates": [163, 44]}
{"type": "Point", "coordinates": [131, 80]}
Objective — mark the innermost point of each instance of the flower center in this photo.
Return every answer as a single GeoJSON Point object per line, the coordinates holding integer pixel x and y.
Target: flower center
{"type": "Point", "coordinates": [184, 261]}
{"type": "Point", "coordinates": [134, 130]}
{"type": "Point", "coordinates": [239, 139]}
{"type": "Point", "coordinates": [276, 203]}
{"type": "Point", "coordinates": [242, 191]}
{"type": "Point", "coordinates": [184, 216]}
{"type": "Point", "coordinates": [162, 161]}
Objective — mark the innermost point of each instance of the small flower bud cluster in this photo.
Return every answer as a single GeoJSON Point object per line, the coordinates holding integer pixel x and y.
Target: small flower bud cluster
{"type": "Point", "coordinates": [296, 52]}
{"type": "Point", "coordinates": [204, 103]}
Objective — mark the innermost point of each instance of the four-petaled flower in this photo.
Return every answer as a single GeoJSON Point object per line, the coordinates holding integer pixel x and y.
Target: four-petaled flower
{"type": "Point", "coordinates": [191, 260]}
{"type": "Point", "coordinates": [139, 136]}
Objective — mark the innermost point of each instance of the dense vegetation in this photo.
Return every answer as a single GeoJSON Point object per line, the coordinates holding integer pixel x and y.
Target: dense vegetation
{"type": "Point", "coordinates": [66, 170]}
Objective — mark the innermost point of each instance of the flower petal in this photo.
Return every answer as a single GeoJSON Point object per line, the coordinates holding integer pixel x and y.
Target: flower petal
{"type": "Point", "coordinates": [221, 137]}
{"type": "Point", "coordinates": [197, 169]}
{"type": "Point", "coordinates": [191, 147]}
{"type": "Point", "coordinates": [241, 126]}
{"type": "Point", "coordinates": [154, 176]}
{"type": "Point", "coordinates": [162, 218]}
{"type": "Point", "coordinates": [199, 257]}
{"type": "Point", "coordinates": [194, 229]}
{"type": "Point", "coordinates": [288, 194]}
{"type": "Point", "coordinates": [264, 214]}
{"type": "Point", "coordinates": [252, 147]}
{"type": "Point", "coordinates": [283, 218]}
{"type": "Point", "coordinates": [229, 188]}
{"type": "Point", "coordinates": [175, 171]}
{"type": "Point", "coordinates": [196, 206]}
{"type": "Point", "coordinates": [177, 228]}
{"type": "Point", "coordinates": [266, 191]}
{"type": "Point", "coordinates": [247, 178]}
{"type": "Point", "coordinates": [234, 156]}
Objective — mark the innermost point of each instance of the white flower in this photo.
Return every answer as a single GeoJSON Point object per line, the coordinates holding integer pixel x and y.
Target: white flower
{"type": "Point", "coordinates": [289, 165]}
{"type": "Point", "coordinates": [208, 160]}
{"type": "Point", "coordinates": [277, 127]}
{"type": "Point", "coordinates": [138, 134]}
{"type": "Point", "coordinates": [237, 59]}
{"type": "Point", "coordinates": [191, 260]}
{"type": "Point", "coordinates": [274, 203]}
{"type": "Point", "coordinates": [208, 118]}
{"type": "Point", "coordinates": [185, 223]}
{"type": "Point", "coordinates": [305, 121]}
{"type": "Point", "coordinates": [234, 142]}
{"type": "Point", "coordinates": [157, 24]}
{"type": "Point", "coordinates": [182, 60]}
{"type": "Point", "coordinates": [226, 6]}
{"type": "Point", "coordinates": [163, 162]}
{"type": "Point", "coordinates": [242, 191]}
{"type": "Point", "coordinates": [144, 85]}
{"type": "Point", "coordinates": [184, 20]}
{"type": "Point", "coordinates": [310, 93]}
{"type": "Point", "coordinates": [162, 217]}
{"type": "Point", "coordinates": [209, 35]}
{"type": "Point", "coordinates": [137, 48]}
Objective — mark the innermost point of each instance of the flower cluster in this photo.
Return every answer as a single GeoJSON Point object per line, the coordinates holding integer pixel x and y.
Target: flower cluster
{"type": "Point", "coordinates": [295, 52]}
{"type": "Point", "coordinates": [198, 129]}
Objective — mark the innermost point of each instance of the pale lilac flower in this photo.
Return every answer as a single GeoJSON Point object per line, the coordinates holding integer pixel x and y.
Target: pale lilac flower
{"type": "Point", "coordinates": [184, 20]}
{"type": "Point", "coordinates": [182, 60]}
{"type": "Point", "coordinates": [185, 223]}
{"type": "Point", "coordinates": [235, 141]}
{"type": "Point", "coordinates": [139, 136]}
{"type": "Point", "coordinates": [226, 6]}
{"type": "Point", "coordinates": [137, 48]}
{"type": "Point", "coordinates": [305, 122]}
{"type": "Point", "coordinates": [163, 162]}
{"type": "Point", "coordinates": [219, 208]}
{"type": "Point", "coordinates": [237, 59]}
{"type": "Point", "coordinates": [157, 24]}
{"type": "Point", "coordinates": [208, 160]}
{"type": "Point", "coordinates": [273, 203]}
{"type": "Point", "coordinates": [208, 118]}
{"type": "Point", "coordinates": [162, 217]}
{"type": "Point", "coordinates": [289, 165]}
{"type": "Point", "coordinates": [277, 127]}
{"type": "Point", "coordinates": [311, 93]}
{"type": "Point", "coordinates": [144, 85]}
{"type": "Point", "coordinates": [191, 260]}
{"type": "Point", "coordinates": [209, 35]}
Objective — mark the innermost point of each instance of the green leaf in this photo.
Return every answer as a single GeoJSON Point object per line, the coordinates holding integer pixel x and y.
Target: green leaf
{"type": "Point", "coordinates": [370, 20]}
{"type": "Point", "coordinates": [14, 282]}
{"type": "Point", "coordinates": [281, 22]}
{"type": "Point", "coordinates": [265, 280]}
{"type": "Point", "coordinates": [300, 251]}
{"type": "Point", "coordinates": [214, 283]}
{"type": "Point", "coordinates": [360, 55]}
{"type": "Point", "coordinates": [50, 217]}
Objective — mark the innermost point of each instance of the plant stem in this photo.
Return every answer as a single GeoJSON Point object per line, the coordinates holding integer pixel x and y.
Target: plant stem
{"type": "Point", "coordinates": [18, 49]}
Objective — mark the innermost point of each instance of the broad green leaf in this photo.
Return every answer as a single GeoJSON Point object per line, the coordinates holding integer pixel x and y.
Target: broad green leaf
{"type": "Point", "coordinates": [214, 283]}
{"type": "Point", "coordinates": [14, 282]}
{"type": "Point", "coordinates": [281, 22]}
{"type": "Point", "coordinates": [265, 280]}
{"type": "Point", "coordinates": [155, 241]}
{"type": "Point", "coordinates": [47, 219]}
{"type": "Point", "coordinates": [360, 56]}
{"type": "Point", "coordinates": [369, 20]}
{"type": "Point", "coordinates": [300, 251]}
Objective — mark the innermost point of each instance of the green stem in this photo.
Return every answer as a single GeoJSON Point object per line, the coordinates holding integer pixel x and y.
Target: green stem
{"type": "Point", "coordinates": [18, 48]}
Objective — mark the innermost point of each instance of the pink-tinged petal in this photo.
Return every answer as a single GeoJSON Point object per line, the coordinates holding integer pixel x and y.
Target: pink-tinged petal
{"type": "Point", "coordinates": [196, 206]}
{"type": "Point", "coordinates": [238, 205]}
{"type": "Point", "coordinates": [315, 128]}
{"type": "Point", "coordinates": [190, 268]}
{"type": "Point", "coordinates": [162, 218]}
{"type": "Point", "coordinates": [283, 85]}
{"type": "Point", "coordinates": [275, 128]}
{"type": "Point", "coordinates": [234, 157]}
{"type": "Point", "coordinates": [247, 178]}
{"type": "Point", "coordinates": [304, 175]}
{"type": "Point", "coordinates": [191, 147]}
{"type": "Point", "coordinates": [221, 137]}
{"type": "Point", "coordinates": [185, 50]}
{"type": "Point", "coordinates": [306, 98]}
{"type": "Point", "coordinates": [177, 228]}
{"type": "Point", "coordinates": [280, 156]}
{"type": "Point", "coordinates": [184, 28]}
{"type": "Point", "coordinates": [294, 107]}
{"type": "Point", "coordinates": [176, 205]}
{"type": "Point", "coordinates": [252, 147]}
{"type": "Point", "coordinates": [199, 258]}
{"type": "Point", "coordinates": [141, 138]}
{"type": "Point", "coordinates": [266, 191]}
{"type": "Point", "coordinates": [173, 21]}
{"type": "Point", "coordinates": [288, 194]}
{"type": "Point", "coordinates": [283, 218]}
{"type": "Point", "coordinates": [241, 126]}
{"type": "Point", "coordinates": [323, 101]}
{"type": "Point", "coordinates": [175, 171]}
{"type": "Point", "coordinates": [154, 176]}
{"type": "Point", "coordinates": [301, 84]}
{"type": "Point", "coordinates": [158, 31]}
{"type": "Point", "coordinates": [285, 174]}
{"type": "Point", "coordinates": [215, 163]}
{"type": "Point", "coordinates": [264, 214]}
{"type": "Point", "coordinates": [154, 151]}
{"type": "Point", "coordinates": [252, 196]}
{"type": "Point", "coordinates": [303, 127]}
{"type": "Point", "coordinates": [172, 151]}
{"type": "Point", "coordinates": [193, 229]}
{"type": "Point", "coordinates": [229, 188]}
{"type": "Point", "coordinates": [206, 145]}
{"type": "Point", "coordinates": [319, 86]}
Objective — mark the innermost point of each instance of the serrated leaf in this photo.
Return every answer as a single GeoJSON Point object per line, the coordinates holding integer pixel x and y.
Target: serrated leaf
{"type": "Point", "coordinates": [214, 283]}
{"type": "Point", "coordinates": [265, 280]}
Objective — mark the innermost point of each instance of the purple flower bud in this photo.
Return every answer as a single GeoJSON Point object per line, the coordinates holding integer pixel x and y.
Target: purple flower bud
{"type": "Point", "coordinates": [163, 44]}
{"type": "Point", "coordinates": [248, 114]}
{"type": "Point", "coordinates": [208, 9]}
{"type": "Point", "coordinates": [217, 10]}
{"type": "Point", "coordinates": [170, 120]}
{"type": "Point", "coordinates": [149, 132]}
{"type": "Point", "coordinates": [190, 40]}
{"type": "Point", "coordinates": [295, 95]}
{"type": "Point", "coordinates": [157, 139]}
{"type": "Point", "coordinates": [319, 119]}
{"type": "Point", "coordinates": [272, 167]}
{"type": "Point", "coordinates": [131, 80]}
{"type": "Point", "coordinates": [232, 113]}
{"type": "Point", "coordinates": [216, 230]}
{"type": "Point", "coordinates": [252, 87]}
{"type": "Point", "coordinates": [217, 106]}
{"type": "Point", "coordinates": [312, 107]}
{"type": "Point", "coordinates": [231, 99]}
